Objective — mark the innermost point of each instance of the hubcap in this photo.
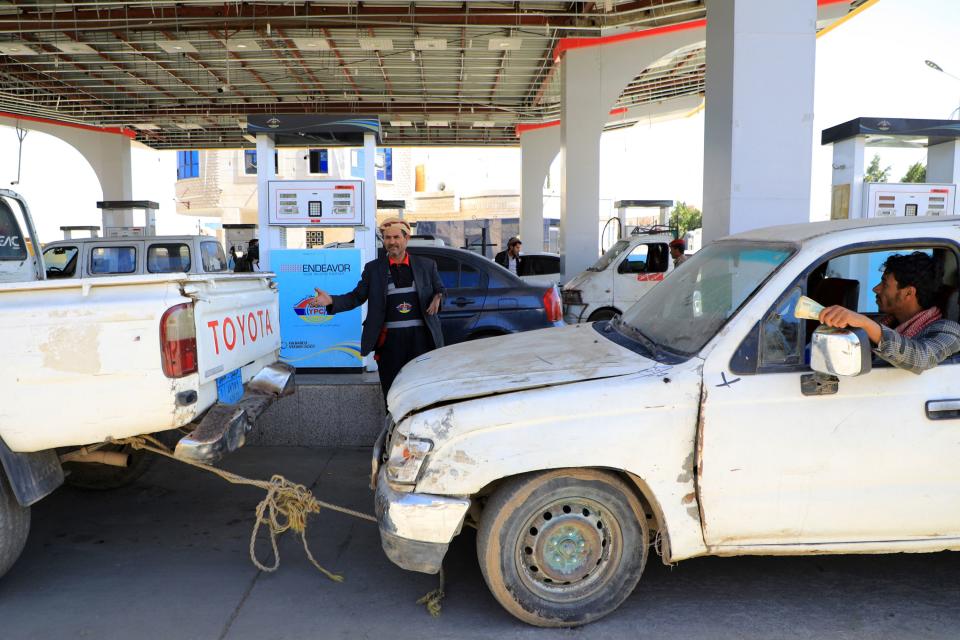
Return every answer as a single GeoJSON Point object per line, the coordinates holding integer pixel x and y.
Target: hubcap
{"type": "Point", "coordinates": [565, 545]}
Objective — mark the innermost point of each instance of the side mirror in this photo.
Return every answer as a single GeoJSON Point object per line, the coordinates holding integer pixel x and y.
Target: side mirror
{"type": "Point", "coordinates": [840, 352]}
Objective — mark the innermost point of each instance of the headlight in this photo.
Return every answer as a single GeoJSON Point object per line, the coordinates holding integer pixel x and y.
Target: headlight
{"type": "Point", "coordinates": [407, 455]}
{"type": "Point", "coordinates": [572, 296]}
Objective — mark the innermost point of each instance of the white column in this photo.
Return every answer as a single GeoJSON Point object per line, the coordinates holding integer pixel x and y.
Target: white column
{"type": "Point", "coordinates": [759, 114]}
{"type": "Point", "coordinates": [581, 82]}
{"type": "Point", "coordinates": [943, 163]}
{"type": "Point", "coordinates": [365, 237]}
{"type": "Point", "coordinates": [269, 237]}
{"type": "Point", "coordinates": [538, 148]}
{"type": "Point", "coordinates": [848, 169]}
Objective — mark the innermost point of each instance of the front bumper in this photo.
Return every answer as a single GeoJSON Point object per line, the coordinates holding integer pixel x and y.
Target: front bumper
{"type": "Point", "coordinates": [416, 528]}
{"type": "Point", "coordinates": [224, 427]}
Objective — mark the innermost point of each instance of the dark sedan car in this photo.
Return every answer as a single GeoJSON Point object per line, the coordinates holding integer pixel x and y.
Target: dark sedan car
{"type": "Point", "coordinates": [484, 299]}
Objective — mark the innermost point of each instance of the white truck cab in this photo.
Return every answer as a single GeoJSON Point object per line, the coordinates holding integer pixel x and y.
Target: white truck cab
{"type": "Point", "coordinates": [628, 270]}
{"type": "Point", "coordinates": [706, 420]}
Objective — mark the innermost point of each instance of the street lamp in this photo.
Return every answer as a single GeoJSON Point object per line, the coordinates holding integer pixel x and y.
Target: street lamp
{"type": "Point", "coordinates": [933, 65]}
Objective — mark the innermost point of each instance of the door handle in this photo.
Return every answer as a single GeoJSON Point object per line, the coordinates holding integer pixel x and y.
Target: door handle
{"type": "Point", "coordinates": [461, 301]}
{"type": "Point", "coordinates": [943, 409]}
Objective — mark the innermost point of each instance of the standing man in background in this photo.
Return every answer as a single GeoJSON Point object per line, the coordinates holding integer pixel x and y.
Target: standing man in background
{"type": "Point", "coordinates": [404, 294]}
{"type": "Point", "coordinates": [677, 248]}
{"type": "Point", "coordinates": [510, 259]}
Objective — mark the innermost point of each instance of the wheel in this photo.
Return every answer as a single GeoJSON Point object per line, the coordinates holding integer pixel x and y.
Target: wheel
{"type": "Point", "coordinates": [603, 314]}
{"type": "Point", "coordinates": [562, 548]}
{"type": "Point", "coordinates": [93, 476]}
{"type": "Point", "coordinates": [14, 525]}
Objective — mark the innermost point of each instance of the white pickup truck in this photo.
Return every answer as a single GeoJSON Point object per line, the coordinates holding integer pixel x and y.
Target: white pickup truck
{"type": "Point", "coordinates": [89, 360]}
{"type": "Point", "coordinates": [692, 425]}
{"type": "Point", "coordinates": [624, 273]}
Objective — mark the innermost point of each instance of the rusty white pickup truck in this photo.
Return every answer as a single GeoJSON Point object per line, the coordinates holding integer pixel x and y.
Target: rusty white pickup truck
{"type": "Point", "coordinates": [693, 425]}
{"type": "Point", "coordinates": [89, 360]}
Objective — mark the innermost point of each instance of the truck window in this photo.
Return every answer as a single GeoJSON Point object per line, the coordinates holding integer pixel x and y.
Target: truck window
{"type": "Point", "coordinates": [113, 260]}
{"type": "Point", "coordinates": [61, 262]}
{"type": "Point", "coordinates": [846, 280]}
{"type": "Point", "coordinates": [168, 258]}
{"type": "Point", "coordinates": [12, 245]}
{"type": "Point", "coordinates": [646, 258]}
{"type": "Point", "coordinates": [213, 257]}
{"type": "Point", "coordinates": [607, 258]}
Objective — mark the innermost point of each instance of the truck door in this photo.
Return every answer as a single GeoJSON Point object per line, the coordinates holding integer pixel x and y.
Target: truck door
{"type": "Point", "coordinates": [782, 461]}
{"type": "Point", "coordinates": [639, 269]}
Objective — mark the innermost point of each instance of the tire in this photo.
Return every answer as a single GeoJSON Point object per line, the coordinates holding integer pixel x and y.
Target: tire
{"type": "Point", "coordinates": [14, 525]}
{"type": "Point", "coordinates": [603, 314]}
{"type": "Point", "coordinates": [534, 516]}
{"type": "Point", "coordinates": [92, 476]}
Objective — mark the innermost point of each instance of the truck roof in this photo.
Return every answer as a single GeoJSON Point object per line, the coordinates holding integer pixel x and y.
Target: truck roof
{"type": "Point", "coordinates": [802, 232]}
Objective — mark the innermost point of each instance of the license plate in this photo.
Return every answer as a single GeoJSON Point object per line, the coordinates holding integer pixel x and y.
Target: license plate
{"type": "Point", "coordinates": [230, 387]}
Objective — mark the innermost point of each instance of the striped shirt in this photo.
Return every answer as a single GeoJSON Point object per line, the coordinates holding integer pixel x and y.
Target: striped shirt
{"type": "Point", "coordinates": [935, 343]}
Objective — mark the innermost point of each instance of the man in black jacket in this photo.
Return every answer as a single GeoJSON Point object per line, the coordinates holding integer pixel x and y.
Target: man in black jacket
{"type": "Point", "coordinates": [403, 293]}
{"type": "Point", "coordinates": [510, 258]}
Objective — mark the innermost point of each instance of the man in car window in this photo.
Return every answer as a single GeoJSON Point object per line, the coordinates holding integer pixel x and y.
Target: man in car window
{"type": "Point", "coordinates": [913, 335]}
{"type": "Point", "coordinates": [510, 259]}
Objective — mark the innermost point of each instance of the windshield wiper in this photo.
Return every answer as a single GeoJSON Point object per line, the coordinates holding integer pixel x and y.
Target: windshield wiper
{"type": "Point", "coordinates": [634, 332]}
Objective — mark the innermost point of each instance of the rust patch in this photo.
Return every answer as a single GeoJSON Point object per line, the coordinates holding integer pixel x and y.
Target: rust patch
{"type": "Point", "coordinates": [461, 457]}
{"type": "Point", "coordinates": [686, 471]}
{"type": "Point", "coordinates": [690, 497]}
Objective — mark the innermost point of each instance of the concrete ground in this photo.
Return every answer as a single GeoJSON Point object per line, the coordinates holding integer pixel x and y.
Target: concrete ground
{"type": "Point", "coordinates": [167, 558]}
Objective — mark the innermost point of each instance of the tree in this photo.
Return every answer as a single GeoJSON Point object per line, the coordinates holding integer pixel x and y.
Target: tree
{"type": "Point", "coordinates": [874, 172]}
{"type": "Point", "coordinates": [685, 218]}
{"type": "Point", "coordinates": [917, 172]}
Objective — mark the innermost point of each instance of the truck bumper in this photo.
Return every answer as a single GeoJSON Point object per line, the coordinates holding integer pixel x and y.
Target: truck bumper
{"type": "Point", "coordinates": [224, 427]}
{"type": "Point", "coordinates": [573, 313]}
{"type": "Point", "coordinates": [416, 528]}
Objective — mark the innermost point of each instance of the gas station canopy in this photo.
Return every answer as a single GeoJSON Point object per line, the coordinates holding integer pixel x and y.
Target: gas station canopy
{"type": "Point", "coordinates": [186, 74]}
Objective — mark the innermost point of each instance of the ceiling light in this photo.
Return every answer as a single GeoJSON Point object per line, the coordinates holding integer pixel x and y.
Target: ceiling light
{"type": "Point", "coordinates": [437, 123]}
{"type": "Point", "coordinates": [401, 123]}
{"type": "Point", "coordinates": [177, 46]}
{"type": "Point", "coordinates": [146, 126]}
{"type": "Point", "coordinates": [17, 49]}
{"type": "Point", "coordinates": [186, 126]}
{"type": "Point", "coordinates": [74, 47]}
{"type": "Point", "coordinates": [484, 123]}
{"type": "Point", "coordinates": [376, 44]}
{"type": "Point", "coordinates": [240, 45]}
{"type": "Point", "coordinates": [504, 44]}
{"type": "Point", "coordinates": [432, 44]}
{"type": "Point", "coordinates": [312, 44]}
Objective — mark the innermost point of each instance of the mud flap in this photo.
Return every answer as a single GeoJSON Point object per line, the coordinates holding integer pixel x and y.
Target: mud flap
{"type": "Point", "coordinates": [32, 475]}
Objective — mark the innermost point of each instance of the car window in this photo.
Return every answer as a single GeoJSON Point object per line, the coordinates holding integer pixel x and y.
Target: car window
{"type": "Point", "coordinates": [469, 277]}
{"type": "Point", "coordinates": [543, 265]}
{"type": "Point", "coordinates": [213, 257]}
{"type": "Point", "coordinates": [60, 262]}
{"type": "Point", "coordinates": [107, 260]}
{"type": "Point", "coordinates": [168, 258]}
{"type": "Point", "coordinates": [12, 245]}
{"type": "Point", "coordinates": [449, 271]}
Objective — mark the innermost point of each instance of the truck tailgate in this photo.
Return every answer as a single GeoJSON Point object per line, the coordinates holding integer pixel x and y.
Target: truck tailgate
{"type": "Point", "coordinates": [237, 321]}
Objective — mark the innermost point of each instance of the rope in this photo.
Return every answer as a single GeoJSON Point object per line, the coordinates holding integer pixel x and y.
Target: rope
{"type": "Point", "coordinates": [432, 600]}
{"type": "Point", "coordinates": [286, 506]}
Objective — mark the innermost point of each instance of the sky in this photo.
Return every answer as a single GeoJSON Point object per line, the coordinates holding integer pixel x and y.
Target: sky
{"type": "Point", "coordinates": [872, 65]}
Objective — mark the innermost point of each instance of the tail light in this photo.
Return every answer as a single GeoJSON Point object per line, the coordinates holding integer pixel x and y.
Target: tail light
{"type": "Point", "coordinates": [178, 341]}
{"type": "Point", "coordinates": [551, 304]}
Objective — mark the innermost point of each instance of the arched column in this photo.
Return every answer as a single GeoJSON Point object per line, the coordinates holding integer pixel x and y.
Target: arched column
{"type": "Point", "coordinates": [539, 145]}
{"type": "Point", "coordinates": [593, 73]}
{"type": "Point", "coordinates": [108, 151]}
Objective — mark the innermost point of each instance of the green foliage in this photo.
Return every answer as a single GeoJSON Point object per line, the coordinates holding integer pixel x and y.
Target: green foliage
{"type": "Point", "coordinates": [917, 172]}
{"type": "Point", "coordinates": [874, 172]}
{"type": "Point", "coordinates": [685, 218]}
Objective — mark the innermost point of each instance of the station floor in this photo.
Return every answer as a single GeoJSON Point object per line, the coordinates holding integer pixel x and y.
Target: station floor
{"type": "Point", "coordinates": [166, 558]}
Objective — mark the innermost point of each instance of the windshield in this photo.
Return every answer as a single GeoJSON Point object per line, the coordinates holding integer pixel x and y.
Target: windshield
{"type": "Point", "coordinates": [610, 255]}
{"type": "Point", "coordinates": [688, 308]}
